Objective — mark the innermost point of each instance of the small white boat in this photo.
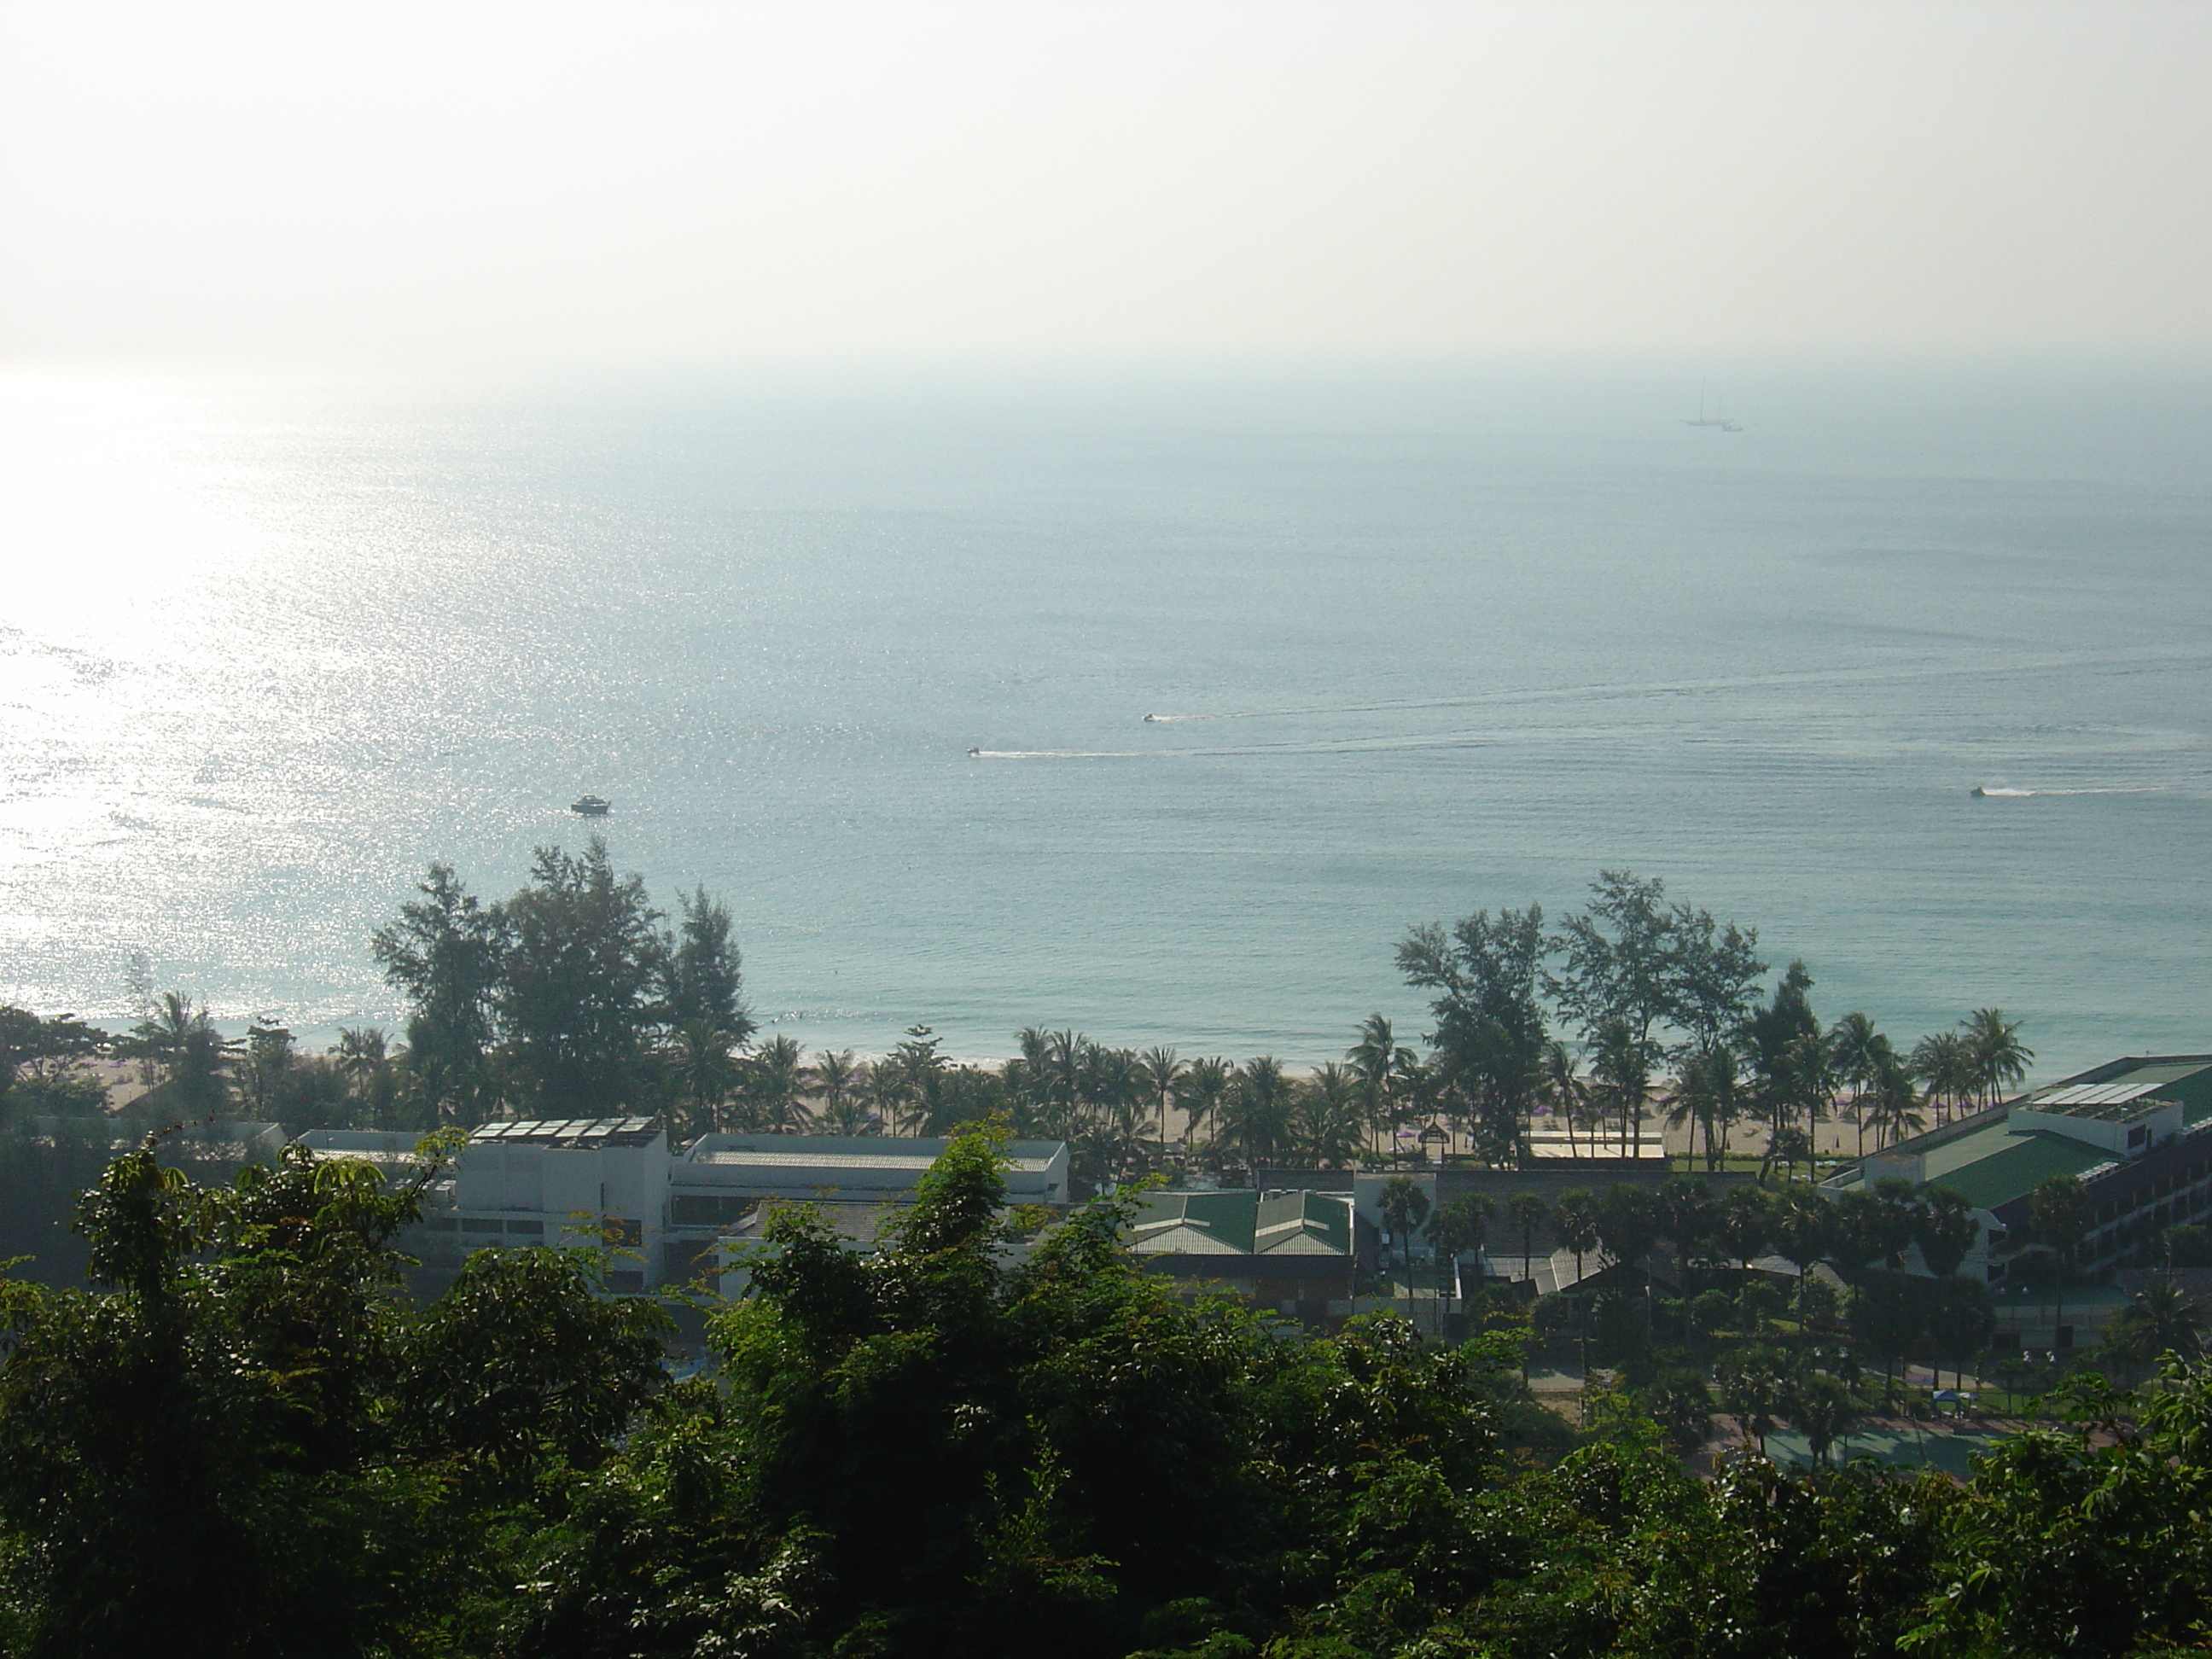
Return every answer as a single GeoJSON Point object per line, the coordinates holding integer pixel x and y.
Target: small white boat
{"type": "Point", "coordinates": [592, 806]}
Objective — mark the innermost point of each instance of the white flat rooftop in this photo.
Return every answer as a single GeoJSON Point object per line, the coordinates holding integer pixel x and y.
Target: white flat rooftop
{"type": "Point", "coordinates": [909, 1154]}
{"type": "Point", "coordinates": [914, 1162]}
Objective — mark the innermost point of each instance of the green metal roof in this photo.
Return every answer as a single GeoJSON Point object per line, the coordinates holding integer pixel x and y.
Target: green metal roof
{"type": "Point", "coordinates": [1242, 1222]}
{"type": "Point", "coordinates": [1304, 1223]}
{"type": "Point", "coordinates": [1196, 1224]}
{"type": "Point", "coordinates": [2005, 1166]}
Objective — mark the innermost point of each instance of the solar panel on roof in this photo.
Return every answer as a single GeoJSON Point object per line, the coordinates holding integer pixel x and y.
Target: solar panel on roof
{"type": "Point", "coordinates": [2097, 1094]}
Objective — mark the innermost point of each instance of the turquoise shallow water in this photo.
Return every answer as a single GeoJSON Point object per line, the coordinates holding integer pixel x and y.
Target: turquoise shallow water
{"type": "Point", "coordinates": [1433, 640]}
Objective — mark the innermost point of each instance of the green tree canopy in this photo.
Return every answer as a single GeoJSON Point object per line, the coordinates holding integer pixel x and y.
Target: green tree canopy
{"type": "Point", "coordinates": [1490, 1030]}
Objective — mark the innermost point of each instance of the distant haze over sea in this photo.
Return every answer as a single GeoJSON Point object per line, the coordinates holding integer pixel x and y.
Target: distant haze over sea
{"type": "Point", "coordinates": [1428, 641]}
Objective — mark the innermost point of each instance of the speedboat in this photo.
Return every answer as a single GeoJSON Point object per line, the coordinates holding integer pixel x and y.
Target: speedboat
{"type": "Point", "coordinates": [592, 806]}
{"type": "Point", "coordinates": [1978, 792]}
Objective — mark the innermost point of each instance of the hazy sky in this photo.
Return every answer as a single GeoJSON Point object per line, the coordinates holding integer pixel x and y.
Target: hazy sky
{"type": "Point", "coordinates": [656, 180]}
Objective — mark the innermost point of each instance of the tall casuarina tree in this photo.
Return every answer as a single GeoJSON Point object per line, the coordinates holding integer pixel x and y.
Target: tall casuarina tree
{"type": "Point", "coordinates": [1490, 1030]}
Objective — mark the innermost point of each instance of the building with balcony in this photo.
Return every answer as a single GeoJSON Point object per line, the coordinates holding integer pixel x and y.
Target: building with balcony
{"type": "Point", "coordinates": [2137, 1132]}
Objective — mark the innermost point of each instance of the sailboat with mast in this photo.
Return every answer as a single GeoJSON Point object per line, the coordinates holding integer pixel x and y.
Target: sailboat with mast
{"type": "Point", "coordinates": [1717, 418]}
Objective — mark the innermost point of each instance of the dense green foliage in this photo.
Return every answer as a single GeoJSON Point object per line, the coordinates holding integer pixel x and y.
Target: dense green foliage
{"type": "Point", "coordinates": [565, 1000]}
{"type": "Point", "coordinates": [973, 1439]}
{"type": "Point", "coordinates": [243, 1443]}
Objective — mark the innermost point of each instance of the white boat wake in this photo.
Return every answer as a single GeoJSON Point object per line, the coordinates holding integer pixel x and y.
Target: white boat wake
{"type": "Point", "coordinates": [1055, 754]}
{"type": "Point", "coordinates": [1876, 674]}
{"type": "Point", "coordinates": [1998, 792]}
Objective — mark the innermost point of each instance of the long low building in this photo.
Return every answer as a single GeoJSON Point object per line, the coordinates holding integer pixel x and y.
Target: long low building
{"type": "Point", "coordinates": [2137, 1132]}
{"type": "Point", "coordinates": [586, 1180]}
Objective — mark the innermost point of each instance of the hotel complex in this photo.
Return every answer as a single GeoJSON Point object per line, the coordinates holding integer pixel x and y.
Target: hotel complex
{"type": "Point", "coordinates": [680, 1213]}
{"type": "Point", "coordinates": [2136, 1133]}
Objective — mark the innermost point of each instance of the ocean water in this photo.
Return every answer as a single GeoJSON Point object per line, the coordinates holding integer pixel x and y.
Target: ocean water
{"type": "Point", "coordinates": [1423, 641]}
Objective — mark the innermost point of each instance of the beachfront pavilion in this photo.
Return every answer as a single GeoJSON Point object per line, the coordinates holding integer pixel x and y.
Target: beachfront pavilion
{"type": "Point", "coordinates": [2137, 1132]}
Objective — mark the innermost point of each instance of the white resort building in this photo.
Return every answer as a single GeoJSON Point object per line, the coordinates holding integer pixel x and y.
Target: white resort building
{"type": "Point", "coordinates": [681, 1212]}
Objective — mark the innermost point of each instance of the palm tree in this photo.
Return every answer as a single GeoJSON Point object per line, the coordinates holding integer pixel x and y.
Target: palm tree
{"type": "Point", "coordinates": [1026, 1075]}
{"type": "Point", "coordinates": [1376, 1059]}
{"type": "Point", "coordinates": [1259, 1109]}
{"type": "Point", "coordinates": [1999, 1056]}
{"type": "Point", "coordinates": [1527, 1210]}
{"type": "Point", "coordinates": [183, 1040]}
{"type": "Point", "coordinates": [1753, 1389]}
{"type": "Point", "coordinates": [1852, 1043]}
{"type": "Point", "coordinates": [1745, 1224]}
{"type": "Point", "coordinates": [363, 1052]}
{"type": "Point", "coordinates": [1574, 1221]}
{"type": "Point", "coordinates": [1118, 1085]}
{"type": "Point", "coordinates": [1945, 1229]}
{"type": "Point", "coordinates": [849, 1113]}
{"type": "Point", "coordinates": [1892, 1099]}
{"type": "Point", "coordinates": [1204, 1083]}
{"type": "Point", "coordinates": [364, 1059]}
{"type": "Point", "coordinates": [705, 1070]}
{"type": "Point", "coordinates": [1163, 1071]}
{"type": "Point", "coordinates": [1788, 1145]}
{"type": "Point", "coordinates": [168, 1025]}
{"type": "Point", "coordinates": [1413, 1093]}
{"type": "Point", "coordinates": [1811, 1084]}
{"type": "Point", "coordinates": [1625, 1060]}
{"type": "Point", "coordinates": [832, 1079]}
{"type": "Point", "coordinates": [1708, 1094]}
{"type": "Point", "coordinates": [1824, 1408]}
{"type": "Point", "coordinates": [1562, 1088]}
{"type": "Point", "coordinates": [1456, 1228]}
{"type": "Point", "coordinates": [1942, 1066]}
{"type": "Point", "coordinates": [1066, 1055]}
{"type": "Point", "coordinates": [1404, 1207]}
{"type": "Point", "coordinates": [2060, 1213]}
{"type": "Point", "coordinates": [1802, 1225]}
{"type": "Point", "coordinates": [772, 1084]}
{"type": "Point", "coordinates": [879, 1094]}
{"type": "Point", "coordinates": [2160, 1320]}
{"type": "Point", "coordinates": [1331, 1124]}
{"type": "Point", "coordinates": [919, 1073]}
